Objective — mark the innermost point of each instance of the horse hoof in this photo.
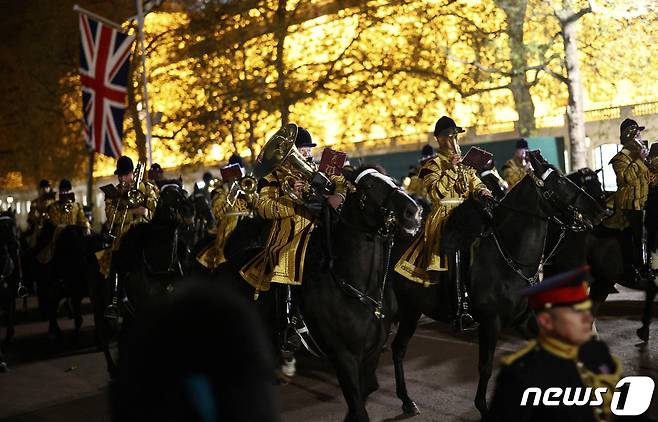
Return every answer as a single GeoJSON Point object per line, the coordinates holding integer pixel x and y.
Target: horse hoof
{"type": "Point", "coordinates": [288, 367]}
{"type": "Point", "coordinates": [410, 409]}
{"type": "Point", "coordinates": [643, 333]}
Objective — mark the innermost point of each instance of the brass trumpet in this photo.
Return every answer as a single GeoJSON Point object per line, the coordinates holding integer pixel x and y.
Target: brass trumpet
{"type": "Point", "coordinates": [248, 185]}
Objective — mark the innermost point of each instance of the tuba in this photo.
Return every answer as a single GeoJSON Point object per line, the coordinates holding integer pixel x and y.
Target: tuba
{"type": "Point", "coordinates": [280, 153]}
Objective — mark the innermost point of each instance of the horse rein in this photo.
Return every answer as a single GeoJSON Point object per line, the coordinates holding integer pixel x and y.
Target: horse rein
{"type": "Point", "coordinates": [579, 224]}
{"type": "Point", "coordinates": [386, 231]}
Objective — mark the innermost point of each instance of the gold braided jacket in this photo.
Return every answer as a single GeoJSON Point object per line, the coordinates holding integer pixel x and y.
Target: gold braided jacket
{"type": "Point", "coordinates": [119, 205]}
{"type": "Point", "coordinates": [446, 187]}
{"type": "Point", "coordinates": [282, 260]}
{"type": "Point", "coordinates": [633, 180]}
{"type": "Point", "coordinates": [227, 217]}
{"type": "Point", "coordinates": [59, 217]}
{"type": "Point", "coordinates": [111, 204]}
{"type": "Point", "coordinates": [513, 172]}
{"type": "Point", "coordinates": [37, 215]}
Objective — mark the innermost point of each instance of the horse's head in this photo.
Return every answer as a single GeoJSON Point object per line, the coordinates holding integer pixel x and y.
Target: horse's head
{"type": "Point", "coordinates": [379, 204]}
{"type": "Point", "coordinates": [173, 205]}
{"type": "Point", "coordinates": [572, 202]}
{"type": "Point", "coordinates": [588, 180]}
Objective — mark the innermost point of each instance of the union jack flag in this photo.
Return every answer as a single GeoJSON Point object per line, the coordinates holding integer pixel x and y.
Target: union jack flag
{"type": "Point", "coordinates": [104, 54]}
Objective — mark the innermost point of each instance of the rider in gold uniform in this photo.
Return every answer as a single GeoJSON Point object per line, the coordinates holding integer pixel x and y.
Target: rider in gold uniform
{"type": "Point", "coordinates": [282, 261]}
{"type": "Point", "coordinates": [37, 215]}
{"type": "Point", "coordinates": [635, 174]}
{"type": "Point", "coordinates": [116, 207]}
{"type": "Point", "coordinates": [448, 184]}
{"type": "Point", "coordinates": [518, 166]}
{"type": "Point", "coordinates": [60, 214]}
{"type": "Point", "coordinates": [414, 186]}
{"type": "Point", "coordinates": [228, 209]}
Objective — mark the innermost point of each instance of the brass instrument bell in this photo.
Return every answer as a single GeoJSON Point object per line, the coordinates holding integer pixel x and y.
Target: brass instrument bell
{"type": "Point", "coordinates": [280, 153]}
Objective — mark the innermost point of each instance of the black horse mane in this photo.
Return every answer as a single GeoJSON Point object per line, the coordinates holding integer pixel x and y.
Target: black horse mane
{"type": "Point", "coordinates": [465, 224]}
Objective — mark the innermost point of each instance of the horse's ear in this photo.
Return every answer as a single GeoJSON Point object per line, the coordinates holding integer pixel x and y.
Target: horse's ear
{"type": "Point", "coordinates": [350, 173]}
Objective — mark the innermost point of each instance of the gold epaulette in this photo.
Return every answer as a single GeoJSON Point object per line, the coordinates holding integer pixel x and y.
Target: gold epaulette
{"type": "Point", "coordinates": [512, 357]}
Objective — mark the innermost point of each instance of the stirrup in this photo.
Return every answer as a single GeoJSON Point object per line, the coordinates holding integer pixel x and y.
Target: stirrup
{"type": "Point", "coordinates": [112, 312]}
{"type": "Point", "coordinates": [464, 322]}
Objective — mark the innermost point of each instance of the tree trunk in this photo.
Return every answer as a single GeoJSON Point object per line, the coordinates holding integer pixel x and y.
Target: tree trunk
{"type": "Point", "coordinates": [576, 104]}
{"type": "Point", "coordinates": [515, 11]}
{"type": "Point", "coordinates": [280, 34]}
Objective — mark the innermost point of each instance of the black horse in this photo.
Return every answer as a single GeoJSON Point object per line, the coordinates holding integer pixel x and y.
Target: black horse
{"type": "Point", "coordinates": [609, 252]}
{"type": "Point", "coordinates": [345, 298]}
{"type": "Point", "coordinates": [9, 276]}
{"type": "Point", "coordinates": [508, 253]}
{"type": "Point", "coordinates": [66, 277]}
{"type": "Point", "coordinates": [148, 263]}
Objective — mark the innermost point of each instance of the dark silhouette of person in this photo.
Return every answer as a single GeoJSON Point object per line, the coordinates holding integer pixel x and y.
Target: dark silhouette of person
{"type": "Point", "coordinates": [199, 354]}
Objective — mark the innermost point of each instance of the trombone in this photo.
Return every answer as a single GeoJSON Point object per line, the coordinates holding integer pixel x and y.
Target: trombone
{"type": "Point", "coordinates": [134, 198]}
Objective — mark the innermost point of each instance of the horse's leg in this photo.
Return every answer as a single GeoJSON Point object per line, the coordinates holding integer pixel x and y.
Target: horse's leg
{"type": "Point", "coordinates": [650, 296]}
{"type": "Point", "coordinates": [53, 300]}
{"type": "Point", "coordinates": [11, 320]}
{"type": "Point", "coordinates": [348, 373]}
{"type": "Point", "coordinates": [598, 292]}
{"type": "Point", "coordinates": [488, 332]}
{"type": "Point", "coordinates": [3, 362]}
{"type": "Point", "coordinates": [76, 306]}
{"type": "Point", "coordinates": [406, 329]}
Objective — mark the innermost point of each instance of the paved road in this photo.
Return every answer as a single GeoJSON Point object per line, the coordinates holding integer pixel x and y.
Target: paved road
{"type": "Point", "coordinates": [65, 382]}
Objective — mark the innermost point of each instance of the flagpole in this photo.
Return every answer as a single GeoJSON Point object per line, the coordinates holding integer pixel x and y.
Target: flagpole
{"type": "Point", "coordinates": [90, 179]}
{"type": "Point", "coordinates": [108, 22]}
{"type": "Point", "coordinates": [140, 31]}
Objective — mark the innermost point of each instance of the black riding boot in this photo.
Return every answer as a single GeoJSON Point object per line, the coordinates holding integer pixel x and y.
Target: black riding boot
{"type": "Point", "coordinates": [641, 262]}
{"type": "Point", "coordinates": [289, 339]}
{"type": "Point", "coordinates": [463, 321]}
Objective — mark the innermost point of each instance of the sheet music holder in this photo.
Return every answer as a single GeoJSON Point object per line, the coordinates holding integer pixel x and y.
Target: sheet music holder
{"type": "Point", "coordinates": [110, 191]}
{"type": "Point", "coordinates": [332, 162]}
{"type": "Point", "coordinates": [478, 159]}
{"type": "Point", "coordinates": [232, 172]}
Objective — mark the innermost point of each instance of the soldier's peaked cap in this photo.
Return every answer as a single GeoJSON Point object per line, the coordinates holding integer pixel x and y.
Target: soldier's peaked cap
{"type": "Point", "coordinates": [565, 289]}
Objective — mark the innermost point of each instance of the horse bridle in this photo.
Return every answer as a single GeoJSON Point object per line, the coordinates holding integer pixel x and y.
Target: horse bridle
{"type": "Point", "coordinates": [578, 224]}
{"type": "Point", "coordinates": [387, 229]}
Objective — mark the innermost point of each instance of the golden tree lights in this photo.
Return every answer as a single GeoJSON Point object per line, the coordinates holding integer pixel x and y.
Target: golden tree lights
{"type": "Point", "coordinates": [384, 69]}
